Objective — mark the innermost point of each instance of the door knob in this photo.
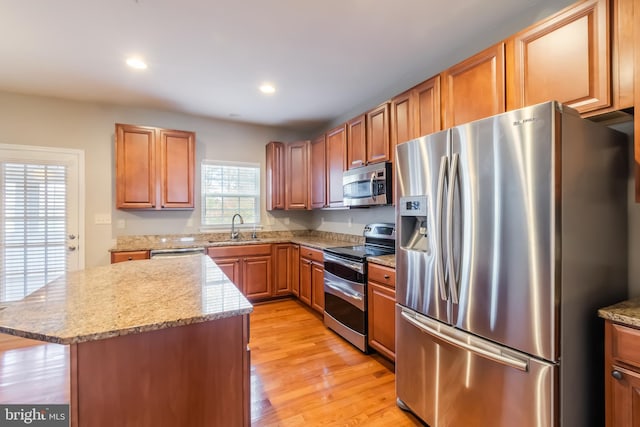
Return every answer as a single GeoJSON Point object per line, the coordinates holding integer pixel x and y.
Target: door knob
{"type": "Point", "coordinates": [616, 374]}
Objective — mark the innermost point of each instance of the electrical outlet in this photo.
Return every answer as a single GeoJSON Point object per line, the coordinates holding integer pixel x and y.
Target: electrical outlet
{"type": "Point", "coordinates": [103, 219]}
{"type": "Point", "coordinates": [121, 224]}
{"type": "Point", "coordinates": [350, 222]}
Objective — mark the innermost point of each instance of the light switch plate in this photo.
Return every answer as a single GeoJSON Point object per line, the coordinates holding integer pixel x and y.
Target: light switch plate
{"type": "Point", "coordinates": [102, 218]}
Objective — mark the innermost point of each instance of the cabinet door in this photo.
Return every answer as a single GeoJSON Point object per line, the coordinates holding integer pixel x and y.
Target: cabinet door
{"type": "Point", "coordinates": [318, 173]}
{"type": "Point", "coordinates": [294, 279]}
{"type": "Point", "coordinates": [402, 118]}
{"type": "Point", "coordinates": [297, 183]}
{"type": "Point", "coordinates": [177, 169]}
{"type": "Point", "coordinates": [475, 88]}
{"type": "Point", "coordinates": [427, 116]}
{"type": "Point", "coordinates": [336, 164]}
{"type": "Point", "coordinates": [378, 134]}
{"type": "Point", "coordinates": [128, 256]}
{"type": "Point", "coordinates": [625, 398]}
{"type": "Point", "coordinates": [381, 305]}
{"type": "Point", "coordinates": [305, 281]}
{"type": "Point", "coordinates": [317, 285]}
{"type": "Point", "coordinates": [231, 268]}
{"type": "Point", "coordinates": [356, 142]}
{"type": "Point", "coordinates": [563, 58]}
{"type": "Point", "coordinates": [275, 176]}
{"type": "Point", "coordinates": [281, 269]}
{"type": "Point", "coordinates": [135, 167]}
{"type": "Point", "coordinates": [256, 277]}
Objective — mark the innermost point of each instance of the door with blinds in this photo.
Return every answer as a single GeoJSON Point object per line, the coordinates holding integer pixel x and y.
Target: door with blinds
{"type": "Point", "coordinates": [40, 217]}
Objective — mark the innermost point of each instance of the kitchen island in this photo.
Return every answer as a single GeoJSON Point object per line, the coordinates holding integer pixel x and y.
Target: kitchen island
{"type": "Point", "coordinates": [161, 342]}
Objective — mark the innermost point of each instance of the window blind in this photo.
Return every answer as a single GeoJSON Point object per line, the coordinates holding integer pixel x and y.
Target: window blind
{"type": "Point", "coordinates": [33, 210]}
{"type": "Point", "coordinates": [227, 189]}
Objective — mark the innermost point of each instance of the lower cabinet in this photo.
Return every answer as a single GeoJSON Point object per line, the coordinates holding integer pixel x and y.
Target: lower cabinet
{"type": "Point", "coordinates": [312, 278]}
{"type": "Point", "coordinates": [283, 255]}
{"type": "Point", "coordinates": [622, 375]}
{"type": "Point", "coordinates": [128, 256]}
{"type": "Point", "coordinates": [381, 296]}
{"type": "Point", "coordinates": [248, 267]}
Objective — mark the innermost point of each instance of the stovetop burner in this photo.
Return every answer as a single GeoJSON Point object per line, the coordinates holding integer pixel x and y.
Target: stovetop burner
{"type": "Point", "coordinates": [379, 240]}
{"type": "Point", "coordinates": [360, 252]}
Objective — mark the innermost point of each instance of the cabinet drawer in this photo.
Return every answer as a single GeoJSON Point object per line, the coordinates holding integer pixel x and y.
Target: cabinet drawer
{"type": "Point", "coordinates": [625, 344]}
{"type": "Point", "coordinates": [128, 256]}
{"type": "Point", "coordinates": [238, 251]}
{"type": "Point", "coordinates": [383, 275]}
{"type": "Point", "coordinates": [312, 254]}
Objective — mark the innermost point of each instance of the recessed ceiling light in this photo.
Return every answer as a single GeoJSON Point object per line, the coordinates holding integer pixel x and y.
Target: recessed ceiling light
{"type": "Point", "coordinates": [136, 63]}
{"type": "Point", "coordinates": [267, 88]}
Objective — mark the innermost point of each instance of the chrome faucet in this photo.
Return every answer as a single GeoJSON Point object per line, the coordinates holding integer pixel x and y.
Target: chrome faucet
{"type": "Point", "coordinates": [234, 233]}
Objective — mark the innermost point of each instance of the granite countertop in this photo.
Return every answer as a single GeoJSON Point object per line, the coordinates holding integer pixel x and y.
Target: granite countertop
{"type": "Point", "coordinates": [386, 260]}
{"type": "Point", "coordinates": [317, 240]}
{"type": "Point", "coordinates": [125, 298]}
{"type": "Point", "coordinates": [626, 312]}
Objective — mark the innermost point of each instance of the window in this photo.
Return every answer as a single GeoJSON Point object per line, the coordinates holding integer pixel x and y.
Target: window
{"type": "Point", "coordinates": [227, 189]}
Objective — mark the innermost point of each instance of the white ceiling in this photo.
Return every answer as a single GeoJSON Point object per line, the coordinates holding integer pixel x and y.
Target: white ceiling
{"type": "Point", "coordinates": [208, 57]}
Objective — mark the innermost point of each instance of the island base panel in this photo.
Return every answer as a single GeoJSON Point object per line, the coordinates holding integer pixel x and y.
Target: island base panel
{"type": "Point", "coordinates": [189, 375]}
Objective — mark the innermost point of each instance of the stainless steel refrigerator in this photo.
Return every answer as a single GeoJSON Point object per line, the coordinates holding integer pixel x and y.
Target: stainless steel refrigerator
{"type": "Point", "coordinates": [511, 233]}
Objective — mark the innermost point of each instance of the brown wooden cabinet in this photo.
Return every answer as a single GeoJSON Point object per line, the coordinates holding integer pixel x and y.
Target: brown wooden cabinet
{"type": "Point", "coordinates": [336, 164]}
{"type": "Point", "coordinates": [128, 256]}
{"type": "Point", "coordinates": [357, 142]}
{"type": "Point", "coordinates": [294, 259]}
{"type": "Point", "coordinates": [636, 91]}
{"type": "Point", "coordinates": [416, 112]}
{"type": "Point", "coordinates": [318, 173]}
{"type": "Point", "coordinates": [154, 168]}
{"type": "Point", "coordinates": [249, 267]}
{"type": "Point", "coordinates": [474, 88]}
{"type": "Point", "coordinates": [379, 134]}
{"type": "Point", "coordinates": [622, 375]}
{"type": "Point", "coordinates": [283, 265]}
{"type": "Point", "coordinates": [381, 295]}
{"type": "Point", "coordinates": [312, 278]}
{"type": "Point", "coordinates": [298, 179]}
{"type": "Point", "coordinates": [564, 58]}
{"type": "Point", "coordinates": [275, 176]}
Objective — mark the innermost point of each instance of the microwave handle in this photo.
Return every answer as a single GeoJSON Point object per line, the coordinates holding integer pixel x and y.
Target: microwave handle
{"type": "Point", "coordinates": [372, 183]}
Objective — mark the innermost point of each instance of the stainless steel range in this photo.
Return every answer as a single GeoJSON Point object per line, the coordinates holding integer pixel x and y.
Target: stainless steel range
{"type": "Point", "coordinates": [345, 282]}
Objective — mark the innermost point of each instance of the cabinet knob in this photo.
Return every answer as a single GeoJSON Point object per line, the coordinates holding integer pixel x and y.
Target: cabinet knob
{"type": "Point", "coordinates": [616, 374]}
{"type": "Point", "coordinates": [386, 276]}
{"type": "Point", "coordinates": [130, 258]}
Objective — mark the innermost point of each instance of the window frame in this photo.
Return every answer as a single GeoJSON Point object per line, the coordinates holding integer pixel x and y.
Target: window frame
{"type": "Point", "coordinates": [258, 196]}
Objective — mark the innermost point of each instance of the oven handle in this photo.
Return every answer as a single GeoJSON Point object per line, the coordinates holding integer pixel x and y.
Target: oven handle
{"type": "Point", "coordinates": [331, 285]}
{"type": "Point", "coordinates": [356, 266]}
{"type": "Point", "coordinates": [347, 295]}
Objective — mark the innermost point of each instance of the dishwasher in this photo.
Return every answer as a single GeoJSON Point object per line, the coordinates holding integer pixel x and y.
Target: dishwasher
{"type": "Point", "coordinates": [175, 253]}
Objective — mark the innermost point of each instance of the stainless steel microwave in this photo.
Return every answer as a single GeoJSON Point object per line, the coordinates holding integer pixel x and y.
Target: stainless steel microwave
{"type": "Point", "coordinates": [368, 185]}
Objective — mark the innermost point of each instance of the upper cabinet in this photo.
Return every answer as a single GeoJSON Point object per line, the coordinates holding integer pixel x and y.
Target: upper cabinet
{"type": "Point", "coordinates": [474, 88]}
{"type": "Point", "coordinates": [336, 164]}
{"type": "Point", "coordinates": [154, 168]}
{"type": "Point", "coordinates": [318, 173]}
{"type": "Point", "coordinates": [564, 58]}
{"type": "Point", "coordinates": [415, 112]}
{"type": "Point", "coordinates": [275, 175]}
{"type": "Point", "coordinates": [368, 137]}
{"type": "Point", "coordinates": [357, 142]}
{"type": "Point", "coordinates": [297, 173]}
{"type": "Point", "coordinates": [378, 134]}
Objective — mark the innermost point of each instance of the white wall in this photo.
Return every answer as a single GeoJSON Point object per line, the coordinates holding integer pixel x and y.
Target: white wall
{"type": "Point", "coordinates": [34, 120]}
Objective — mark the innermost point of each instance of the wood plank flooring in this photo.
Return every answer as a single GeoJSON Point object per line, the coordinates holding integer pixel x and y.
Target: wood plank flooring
{"type": "Point", "coordinates": [302, 374]}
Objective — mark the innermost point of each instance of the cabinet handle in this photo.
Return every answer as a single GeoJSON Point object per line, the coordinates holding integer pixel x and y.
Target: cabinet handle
{"type": "Point", "coordinates": [386, 276]}
{"type": "Point", "coordinates": [616, 374]}
{"type": "Point", "coordinates": [130, 258]}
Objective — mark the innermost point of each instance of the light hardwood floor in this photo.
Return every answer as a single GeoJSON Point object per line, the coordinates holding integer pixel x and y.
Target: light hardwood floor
{"type": "Point", "coordinates": [302, 374]}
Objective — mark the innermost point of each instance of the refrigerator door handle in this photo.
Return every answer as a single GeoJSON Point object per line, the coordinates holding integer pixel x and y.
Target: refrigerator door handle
{"type": "Point", "coordinates": [492, 352]}
{"type": "Point", "coordinates": [453, 281]}
{"type": "Point", "coordinates": [438, 228]}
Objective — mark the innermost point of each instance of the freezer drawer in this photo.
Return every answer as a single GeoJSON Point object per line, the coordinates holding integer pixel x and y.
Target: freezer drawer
{"type": "Point", "coordinates": [450, 378]}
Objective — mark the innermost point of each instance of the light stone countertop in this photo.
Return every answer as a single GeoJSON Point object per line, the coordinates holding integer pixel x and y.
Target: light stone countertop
{"type": "Point", "coordinates": [386, 260]}
{"type": "Point", "coordinates": [625, 312]}
{"type": "Point", "coordinates": [125, 298]}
